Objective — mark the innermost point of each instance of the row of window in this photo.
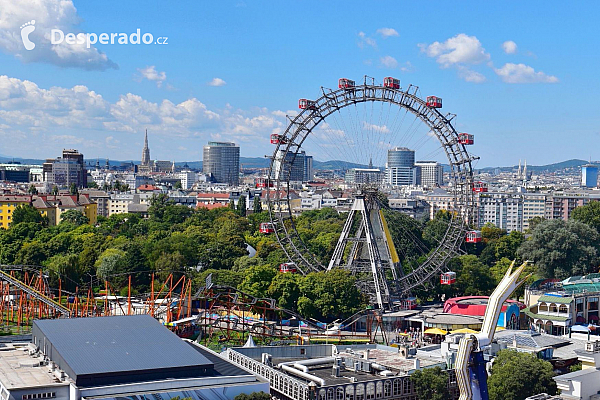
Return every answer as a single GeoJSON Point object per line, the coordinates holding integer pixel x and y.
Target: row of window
{"type": "Point", "coordinates": [46, 395]}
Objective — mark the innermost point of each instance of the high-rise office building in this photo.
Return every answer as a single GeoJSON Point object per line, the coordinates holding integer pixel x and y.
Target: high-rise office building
{"type": "Point", "coordinates": [67, 170]}
{"type": "Point", "coordinates": [308, 169]}
{"type": "Point", "coordinates": [293, 167]}
{"type": "Point", "coordinates": [222, 162]}
{"type": "Point", "coordinates": [400, 168]}
{"type": "Point", "coordinates": [429, 173]}
{"type": "Point", "coordinates": [589, 175]}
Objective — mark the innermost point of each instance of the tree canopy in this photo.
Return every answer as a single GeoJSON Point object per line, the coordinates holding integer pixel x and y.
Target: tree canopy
{"type": "Point", "coordinates": [431, 383]}
{"type": "Point", "coordinates": [516, 376]}
{"type": "Point", "coordinates": [561, 249]}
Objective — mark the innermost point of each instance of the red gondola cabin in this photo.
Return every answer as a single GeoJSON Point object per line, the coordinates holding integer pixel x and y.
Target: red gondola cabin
{"type": "Point", "coordinates": [266, 228]}
{"type": "Point", "coordinates": [344, 83]}
{"type": "Point", "coordinates": [465, 138]}
{"type": "Point", "coordinates": [276, 139]}
{"type": "Point", "coordinates": [480, 187]}
{"type": "Point", "coordinates": [305, 104]}
{"type": "Point", "coordinates": [263, 182]}
{"type": "Point", "coordinates": [434, 102]}
{"type": "Point", "coordinates": [448, 278]}
{"type": "Point", "coordinates": [473, 237]}
{"type": "Point", "coordinates": [288, 267]}
{"type": "Point", "coordinates": [391, 83]}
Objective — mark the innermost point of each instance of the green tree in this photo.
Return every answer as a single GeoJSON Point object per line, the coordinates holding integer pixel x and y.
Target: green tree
{"type": "Point", "coordinates": [436, 228]}
{"type": "Point", "coordinates": [55, 190]}
{"type": "Point", "coordinates": [588, 214]}
{"type": "Point", "coordinates": [73, 189]}
{"type": "Point", "coordinates": [27, 213]}
{"type": "Point", "coordinates": [508, 245]}
{"type": "Point", "coordinates": [560, 249]}
{"type": "Point", "coordinates": [241, 206]}
{"type": "Point", "coordinates": [170, 263]}
{"type": "Point", "coordinates": [253, 396]}
{"type": "Point", "coordinates": [231, 204]}
{"type": "Point", "coordinates": [32, 190]}
{"type": "Point", "coordinates": [516, 376]}
{"type": "Point", "coordinates": [329, 295]}
{"type": "Point", "coordinates": [257, 205]}
{"type": "Point", "coordinates": [177, 185]}
{"type": "Point", "coordinates": [109, 263]}
{"type": "Point", "coordinates": [490, 232]}
{"type": "Point", "coordinates": [92, 185]}
{"type": "Point", "coordinates": [257, 280]}
{"type": "Point", "coordinates": [74, 217]}
{"type": "Point", "coordinates": [158, 206]}
{"type": "Point", "coordinates": [285, 288]}
{"type": "Point", "coordinates": [431, 383]}
{"type": "Point", "coordinates": [474, 277]}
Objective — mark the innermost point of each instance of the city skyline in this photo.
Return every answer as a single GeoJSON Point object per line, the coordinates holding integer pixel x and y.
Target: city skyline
{"type": "Point", "coordinates": [100, 100]}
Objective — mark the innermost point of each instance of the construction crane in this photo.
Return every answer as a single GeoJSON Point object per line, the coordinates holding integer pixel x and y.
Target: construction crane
{"type": "Point", "coordinates": [470, 365]}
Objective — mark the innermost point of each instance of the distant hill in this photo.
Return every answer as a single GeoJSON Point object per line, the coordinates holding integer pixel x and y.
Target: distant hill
{"type": "Point", "coordinates": [262, 162]}
{"type": "Point", "coordinates": [574, 163]}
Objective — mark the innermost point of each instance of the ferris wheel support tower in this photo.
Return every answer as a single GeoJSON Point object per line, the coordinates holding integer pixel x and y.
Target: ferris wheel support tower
{"type": "Point", "coordinates": [371, 249]}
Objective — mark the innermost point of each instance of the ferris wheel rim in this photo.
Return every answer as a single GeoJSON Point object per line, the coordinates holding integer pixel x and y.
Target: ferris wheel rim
{"type": "Point", "coordinates": [309, 118]}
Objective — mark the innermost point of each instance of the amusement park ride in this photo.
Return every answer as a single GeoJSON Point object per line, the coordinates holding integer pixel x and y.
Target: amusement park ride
{"type": "Point", "coordinates": [365, 246]}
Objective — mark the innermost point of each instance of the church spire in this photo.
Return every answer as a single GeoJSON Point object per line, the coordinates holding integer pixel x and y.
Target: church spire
{"type": "Point", "coordinates": [146, 152]}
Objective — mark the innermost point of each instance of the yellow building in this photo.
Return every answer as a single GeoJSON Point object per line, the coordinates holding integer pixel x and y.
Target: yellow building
{"type": "Point", "coordinates": [51, 207]}
{"type": "Point", "coordinates": [7, 207]}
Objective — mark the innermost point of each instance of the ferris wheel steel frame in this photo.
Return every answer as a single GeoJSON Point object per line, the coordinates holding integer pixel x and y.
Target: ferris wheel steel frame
{"type": "Point", "coordinates": [301, 126]}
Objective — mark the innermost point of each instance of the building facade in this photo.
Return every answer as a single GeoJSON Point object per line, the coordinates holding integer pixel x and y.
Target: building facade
{"type": "Point", "coordinates": [400, 169]}
{"type": "Point", "coordinates": [66, 170]}
{"type": "Point", "coordinates": [589, 176]}
{"type": "Point", "coordinates": [361, 176]}
{"type": "Point", "coordinates": [429, 174]}
{"type": "Point", "coordinates": [221, 161]}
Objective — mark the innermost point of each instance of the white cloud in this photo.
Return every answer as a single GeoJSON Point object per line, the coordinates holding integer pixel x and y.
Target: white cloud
{"type": "Point", "coordinates": [407, 67]}
{"type": "Point", "coordinates": [217, 82]}
{"type": "Point", "coordinates": [521, 73]}
{"type": "Point", "coordinates": [153, 75]}
{"type": "Point", "coordinates": [509, 47]}
{"type": "Point", "coordinates": [460, 49]}
{"type": "Point", "coordinates": [79, 115]}
{"type": "Point", "coordinates": [365, 40]}
{"type": "Point", "coordinates": [388, 62]}
{"type": "Point", "coordinates": [375, 128]}
{"type": "Point", "coordinates": [469, 75]}
{"type": "Point", "coordinates": [48, 14]}
{"type": "Point", "coordinates": [387, 32]}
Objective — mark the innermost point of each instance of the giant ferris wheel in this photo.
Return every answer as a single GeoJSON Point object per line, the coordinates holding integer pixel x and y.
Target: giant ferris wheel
{"type": "Point", "coordinates": [356, 128]}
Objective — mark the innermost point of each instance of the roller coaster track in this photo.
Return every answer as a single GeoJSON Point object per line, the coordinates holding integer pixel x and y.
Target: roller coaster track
{"type": "Point", "coordinates": [35, 294]}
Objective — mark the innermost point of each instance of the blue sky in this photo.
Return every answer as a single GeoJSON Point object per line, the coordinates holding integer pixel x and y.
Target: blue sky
{"type": "Point", "coordinates": [534, 98]}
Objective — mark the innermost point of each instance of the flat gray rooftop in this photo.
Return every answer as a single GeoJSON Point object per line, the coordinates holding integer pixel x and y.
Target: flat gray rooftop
{"type": "Point", "coordinates": [108, 350]}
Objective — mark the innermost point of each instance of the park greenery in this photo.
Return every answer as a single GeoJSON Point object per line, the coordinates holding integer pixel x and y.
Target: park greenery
{"type": "Point", "coordinates": [516, 376]}
{"type": "Point", "coordinates": [431, 383]}
{"type": "Point", "coordinates": [177, 240]}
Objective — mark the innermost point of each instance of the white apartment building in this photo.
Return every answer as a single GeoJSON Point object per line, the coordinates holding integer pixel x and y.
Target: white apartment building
{"type": "Point", "coordinates": [504, 210]}
{"type": "Point", "coordinates": [534, 205]}
{"type": "Point", "coordinates": [429, 173]}
{"type": "Point", "coordinates": [187, 178]}
{"type": "Point", "coordinates": [119, 202]}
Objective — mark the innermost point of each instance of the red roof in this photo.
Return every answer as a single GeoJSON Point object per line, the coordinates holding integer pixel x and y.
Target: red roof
{"type": "Point", "coordinates": [211, 206]}
{"type": "Point", "coordinates": [473, 305]}
{"type": "Point", "coordinates": [147, 188]}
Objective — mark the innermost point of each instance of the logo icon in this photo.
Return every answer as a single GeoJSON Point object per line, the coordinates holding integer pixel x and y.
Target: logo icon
{"type": "Point", "coordinates": [26, 29]}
